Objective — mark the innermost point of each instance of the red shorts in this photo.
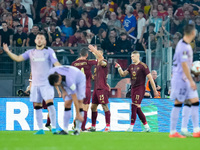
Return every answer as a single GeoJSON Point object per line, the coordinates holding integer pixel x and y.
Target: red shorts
{"type": "Point", "coordinates": [88, 96]}
{"type": "Point", "coordinates": [137, 94]}
{"type": "Point", "coordinates": [100, 97]}
{"type": "Point", "coordinates": [44, 106]}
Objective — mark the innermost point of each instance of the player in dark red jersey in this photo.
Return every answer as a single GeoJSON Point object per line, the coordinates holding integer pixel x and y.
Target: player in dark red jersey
{"type": "Point", "coordinates": [138, 72]}
{"type": "Point", "coordinates": [85, 66]}
{"type": "Point", "coordinates": [101, 89]}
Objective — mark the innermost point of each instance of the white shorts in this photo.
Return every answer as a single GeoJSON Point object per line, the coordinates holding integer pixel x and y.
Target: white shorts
{"type": "Point", "coordinates": [181, 90]}
{"type": "Point", "coordinates": [40, 93]}
{"type": "Point", "coordinates": [80, 91]}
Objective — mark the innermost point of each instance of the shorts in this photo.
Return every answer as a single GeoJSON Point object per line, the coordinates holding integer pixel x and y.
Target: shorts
{"type": "Point", "coordinates": [80, 91]}
{"type": "Point", "coordinates": [40, 93]}
{"type": "Point", "coordinates": [88, 96]}
{"type": "Point", "coordinates": [100, 96]}
{"type": "Point", "coordinates": [137, 94]}
{"type": "Point", "coordinates": [181, 90]}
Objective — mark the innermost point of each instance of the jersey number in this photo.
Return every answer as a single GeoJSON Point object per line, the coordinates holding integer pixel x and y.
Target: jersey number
{"type": "Point", "coordinates": [182, 91]}
{"type": "Point", "coordinates": [101, 97]}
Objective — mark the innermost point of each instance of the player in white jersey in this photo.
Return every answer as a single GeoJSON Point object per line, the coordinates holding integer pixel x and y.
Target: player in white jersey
{"type": "Point", "coordinates": [182, 85]}
{"type": "Point", "coordinates": [42, 60]}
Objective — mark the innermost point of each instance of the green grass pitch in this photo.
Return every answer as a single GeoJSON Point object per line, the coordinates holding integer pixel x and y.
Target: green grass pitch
{"type": "Point", "coordinates": [25, 140]}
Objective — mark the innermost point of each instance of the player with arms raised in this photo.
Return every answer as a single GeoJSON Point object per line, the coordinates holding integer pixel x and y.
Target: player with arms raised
{"type": "Point", "coordinates": [138, 72]}
{"type": "Point", "coordinates": [42, 60]}
{"type": "Point", "coordinates": [85, 66]}
{"type": "Point", "coordinates": [101, 89]}
{"type": "Point", "coordinates": [182, 85]}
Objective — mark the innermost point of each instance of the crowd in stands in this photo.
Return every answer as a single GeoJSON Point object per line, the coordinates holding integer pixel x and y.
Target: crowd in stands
{"type": "Point", "coordinates": [119, 26]}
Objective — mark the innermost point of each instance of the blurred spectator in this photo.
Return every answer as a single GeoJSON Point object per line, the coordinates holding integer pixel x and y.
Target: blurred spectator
{"type": "Point", "coordinates": [114, 22]}
{"type": "Point", "coordinates": [81, 26]}
{"type": "Point", "coordinates": [175, 39]}
{"type": "Point", "coordinates": [67, 30]}
{"type": "Point", "coordinates": [9, 20]}
{"type": "Point", "coordinates": [53, 16]}
{"type": "Point", "coordinates": [149, 87]}
{"type": "Point", "coordinates": [70, 12]}
{"type": "Point", "coordinates": [123, 44]}
{"type": "Point", "coordinates": [110, 46]}
{"type": "Point", "coordinates": [197, 21]}
{"type": "Point", "coordinates": [179, 13]}
{"type": "Point", "coordinates": [54, 31]}
{"type": "Point", "coordinates": [74, 40]}
{"type": "Point", "coordinates": [141, 29]}
{"type": "Point", "coordinates": [101, 38]}
{"type": "Point", "coordinates": [15, 23]}
{"type": "Point", "coordinates": [54, 3]}
{"type": "Point", "coordinates": [97, 25]}
{"type": "Point", "coordinates": [80, 8]}
{"type": "Point", "coordinates": [3, 8]}
{"type": "Point", "coordinates": [60, 11]}
{"type": "Point", "coordinates": [171, 22]}
{"type": "Point", "coordinates": [20, 37]}
{"type": "Point", "coordinates": [28, 4]}
{"type": "Point", "coordinates": [120, 15]}
{"type": "Point", "coordinates": [154, 19]}
{"type": "Point", "coordinates": [112, 6]}
{"type": "Point", "coordinates": [114, 33]}
{"type": "Point", "coordinates": [26, 21]}
{"type": "Point", "coordinates": [166, 3]}
{"type": "Point", "coordinates": [130, 21]}
{"type": "Point", "coordinates": [161, 12]}
{"type": "Point", "coordinates": [57, 42]}
{"type": "Point", "coordinates": [138, 7]}
{"type": "Point", "coordinates": [147, 7]}
{"type": "Point", "coordinates": [31, 37]}
{"type": "Point", "coordinates": [47, 34]}
{"type": "Point", "coordinates": [16, 8]}
{"type": "Point", "coordinates": [86, 19]}
{"type": "Point", "coordinates": [48, 20]}
{"type": "Point", "coordinates": [92, 12]}
{"type": "Point", "coordinates": [45, 11]}
{"type": "Point", "coordinates": [83, 39]}
{"type": "Point", "coordinates": [6, 35]}
{"type": "Point", "coordinates": [187, 18]}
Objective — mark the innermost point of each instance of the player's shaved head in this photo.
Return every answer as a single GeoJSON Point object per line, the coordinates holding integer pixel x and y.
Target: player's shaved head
{"type": "Point", "coordinates": [136, 53]}
{"type": "Point", "coordinates": [189, 29]}
{"type": "Point", "coordinates": [84, 52]}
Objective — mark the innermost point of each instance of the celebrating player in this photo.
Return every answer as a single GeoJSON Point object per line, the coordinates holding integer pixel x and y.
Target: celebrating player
{"type": "Point", "coordinates": [101, 89]}
{"type": "Point", "coordinates": [73, 85]}
{"type": "Point", "coordinates": [138, 73]}
{"type": "Point", "coordinates": [41, 60]}
{"type": "Point", "coordinates": [85, 66]}
{"type": "Point", "coordinates": [183, 86]}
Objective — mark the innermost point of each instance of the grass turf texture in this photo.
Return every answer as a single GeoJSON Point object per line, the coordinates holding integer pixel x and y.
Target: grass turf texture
{"type": "Point", "coordinates": [25, 140]}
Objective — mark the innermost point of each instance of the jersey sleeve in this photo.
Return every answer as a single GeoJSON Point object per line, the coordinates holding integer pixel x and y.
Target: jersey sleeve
{"type": "Point", "coordinates": [128, 69]}
{"type": "Point", "coordinates": [26, 54]}
{"type": "Point", "coordinates": [146, 70]}
{"type": "Point", "coordinates": [52, 55]}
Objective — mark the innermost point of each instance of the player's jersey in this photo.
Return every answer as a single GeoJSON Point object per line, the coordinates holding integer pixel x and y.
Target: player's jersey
{"type": "Point", "coordinates": [183, 53]}
{"type": "Point", "coordinates": [85, 66]}
{"type": "Point", "coordinates": [100, 77]}
{"type": "Point", "coordinates": [73, 76]}
{"type": "Point", "coordinates": [41, 62]}
{"type": "Point", "coordinates": [138, 74]}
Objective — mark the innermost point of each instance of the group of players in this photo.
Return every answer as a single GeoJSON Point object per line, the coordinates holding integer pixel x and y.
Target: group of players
{"type": "Point", "coordinates": [75, 84]}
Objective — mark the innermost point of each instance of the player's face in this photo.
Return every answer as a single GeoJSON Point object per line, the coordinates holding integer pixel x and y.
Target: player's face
{"type": "Point", "coordinates": [59, 81]}
{"type": "Point", "coordinates": [40, 40]}
{"type": "Point", "coordinates": [135, 58]}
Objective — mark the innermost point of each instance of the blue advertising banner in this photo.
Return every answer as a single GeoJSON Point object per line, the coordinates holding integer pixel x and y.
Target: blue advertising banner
{"type": "Point", "coordinates": [18, 114]}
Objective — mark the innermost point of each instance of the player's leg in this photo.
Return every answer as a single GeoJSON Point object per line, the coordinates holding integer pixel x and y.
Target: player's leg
{"type": "Point", "coordinates": [107, 117]}
{"type": "Point", "coordinates": [195, 116]}
{"type": "Point", "coordinates": [36, 98]}
{"type": "Point", "coordinates": [186, 113]}
{"type": "Point", "coordinates": [174, 118]}
{"type": "Point", "coordinates": [47, 125]}
{"type": "Point", "coordinates": [47, 93]}
{"type": "Point", "coordinates": [67, 115]}
{"type": "Point", "coordinates": [94, 117]}
{"type": "Point", "coordinates": [86, 103]}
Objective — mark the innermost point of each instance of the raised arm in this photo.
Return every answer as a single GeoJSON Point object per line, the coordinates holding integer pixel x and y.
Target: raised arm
{"type": "Point", "coordinates": [96, 53]}
{"type": "Point", "coordinates": [121, 72]}
{"type": "Point", "coordinates": [12, 55]}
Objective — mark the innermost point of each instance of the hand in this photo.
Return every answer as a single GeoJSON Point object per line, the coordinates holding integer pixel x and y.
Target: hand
{"type": "Point", "coordinates": [122, 51]}
{"type": "Point", "coordinates": [140, 41]}
{"type": "Point", "coordinates": [158, 87]}
{"type": "Point", "coordinates": [156, 94]}
{"type": "Point", "coordinates": [71, 51]}
{"type": "Point", "coordinates": [5, 47]}
{"type": "Point", "coordinates": [92, 48]}
{"type": "Point", "coordinates": [193, 85]}
{"type": "Point", "coordinates": [79, 117]}
{"type": "Point", "coordinates": [117, 65]}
